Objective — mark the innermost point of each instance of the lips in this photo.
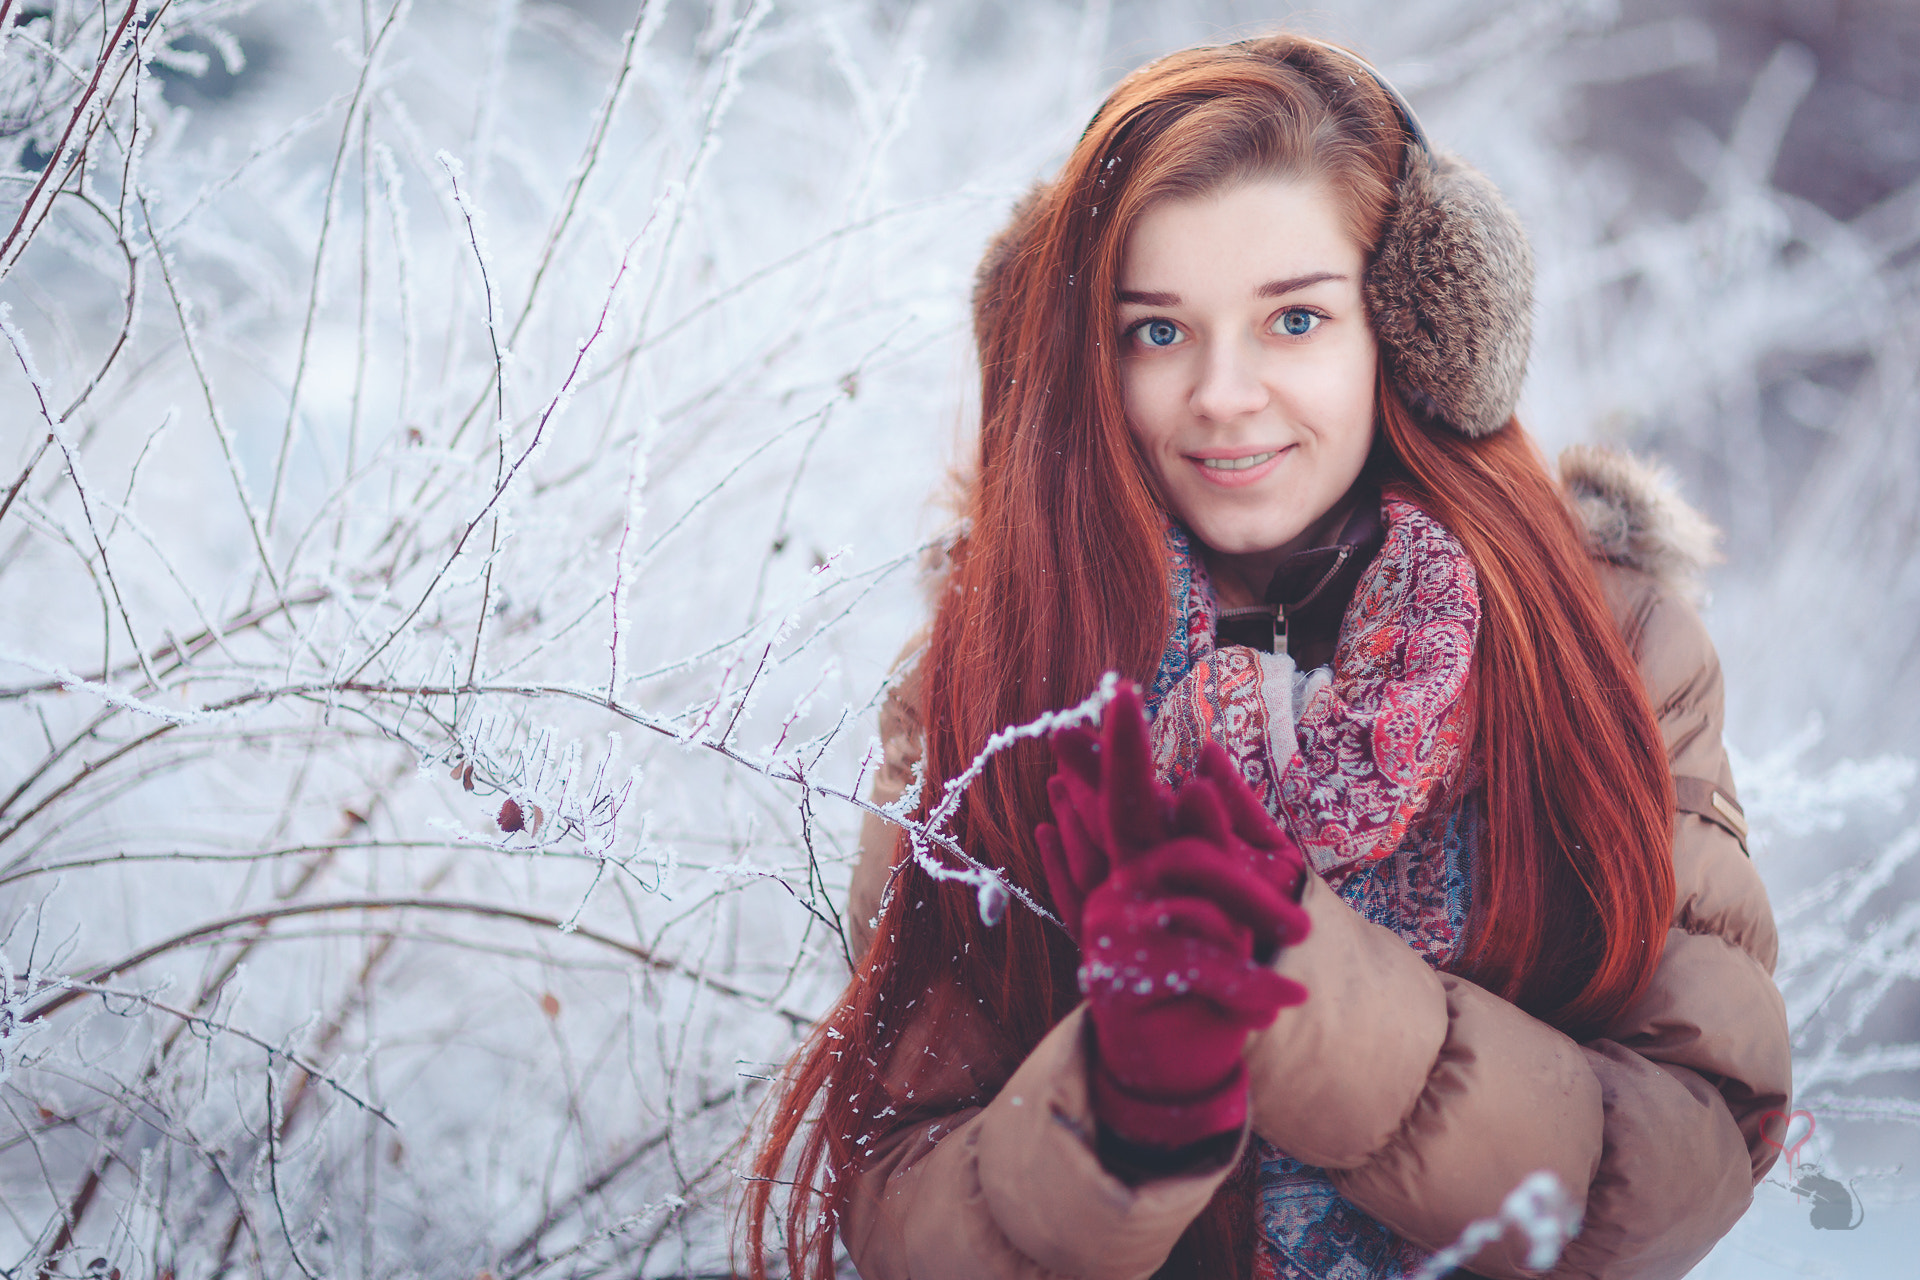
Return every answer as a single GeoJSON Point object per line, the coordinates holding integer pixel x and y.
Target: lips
{"type": "Point", "coordinates": [1238, 470]}
{"type": "Point", "coordinates": [1238, 464]}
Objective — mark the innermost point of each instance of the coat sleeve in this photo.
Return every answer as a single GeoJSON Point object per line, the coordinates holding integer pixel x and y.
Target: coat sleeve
{"type": "Point", "coordinates": [956, 1190]}
{"type": "Point", "coordinates": [1429, 1099]}
{"type": "Point", "coordinates": [1014, 1189]}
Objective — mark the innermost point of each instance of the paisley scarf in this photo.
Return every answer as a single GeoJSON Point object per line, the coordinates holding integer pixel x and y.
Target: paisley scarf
{"type": "Point", "coordinates": [1365, 765]}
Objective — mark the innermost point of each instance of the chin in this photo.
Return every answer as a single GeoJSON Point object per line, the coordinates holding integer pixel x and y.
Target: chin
{"type": "Point", "coordinates": [1244, 542]}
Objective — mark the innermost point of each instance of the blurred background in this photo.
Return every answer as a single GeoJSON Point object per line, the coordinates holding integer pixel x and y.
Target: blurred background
{"type": "Point", "coordinates": [463, 470]}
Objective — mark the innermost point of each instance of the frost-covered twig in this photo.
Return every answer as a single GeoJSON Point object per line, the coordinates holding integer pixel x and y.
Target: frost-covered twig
{"type": "Point", "coordinates": [505, 480]}
{"type": "Point", "coordinates": [229, 453]}
{"type": "Point", "coordinates": [86, 118]}
{"type": "Point", "coordinates": [368, 66]}
{"type": "Point", "coordinates": [19, 344]}
{"type": "Point", "coordinates": [524, 1255]}
{"type": "Point", "coordinates": [74, 990]}
{"type": "Point", "coordinates": [271, 1125]}
{"type": "Point", "coordinates": [1538, 1208]}
{"type": "Point", "coordinates": [625, 563]}
{"type": "Point", "coordinates": [992, 889]}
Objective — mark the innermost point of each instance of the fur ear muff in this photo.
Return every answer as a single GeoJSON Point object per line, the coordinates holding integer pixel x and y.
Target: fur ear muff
{"type": "Point", "coordinates": [1450, 296]}
{"type": "Point", "coordinates": [996, 264]}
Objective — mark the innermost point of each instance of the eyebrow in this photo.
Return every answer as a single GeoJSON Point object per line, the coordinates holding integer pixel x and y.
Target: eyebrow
{"type": "Point", "coordinates": [1271, 289]}
{"type": "Point", "coordinates": [1276, 288]}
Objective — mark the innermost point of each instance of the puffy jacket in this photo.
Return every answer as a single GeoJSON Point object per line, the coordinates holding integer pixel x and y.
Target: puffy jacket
{"type": "Point", "coordinates": [1427, 1097]}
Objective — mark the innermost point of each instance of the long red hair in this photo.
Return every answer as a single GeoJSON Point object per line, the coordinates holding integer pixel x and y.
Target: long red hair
{"type": "Point", "coordinates": [1062, 576]}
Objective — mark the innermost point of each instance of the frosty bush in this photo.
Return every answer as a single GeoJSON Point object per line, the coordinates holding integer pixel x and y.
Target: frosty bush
{"type": "Point", "coordinates": [468, 465]}
{"type": "Point", "coordinates": [444, 640]}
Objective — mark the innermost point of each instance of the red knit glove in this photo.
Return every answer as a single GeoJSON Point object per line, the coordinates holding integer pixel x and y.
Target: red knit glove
{"type": "Point", "coordinates": [1177, 904]}
{"type": "Point", "coordinates": [1109, 804]}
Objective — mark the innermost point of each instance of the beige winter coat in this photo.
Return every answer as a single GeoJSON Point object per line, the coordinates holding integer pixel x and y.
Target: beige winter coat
{"type": "Point", "coordinates": [1426, 1097]}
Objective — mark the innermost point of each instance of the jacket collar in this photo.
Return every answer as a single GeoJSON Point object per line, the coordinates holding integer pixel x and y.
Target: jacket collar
{"type": "Point", "coordinates": [1307, 597]}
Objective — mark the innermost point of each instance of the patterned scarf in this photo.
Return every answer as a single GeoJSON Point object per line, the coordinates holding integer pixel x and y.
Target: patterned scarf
{"type": "Point", "coordinates": [1365, 765]}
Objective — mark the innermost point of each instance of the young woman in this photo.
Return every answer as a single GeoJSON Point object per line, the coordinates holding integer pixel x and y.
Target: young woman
{"type": "Point", "coordinates": [1248, 372]}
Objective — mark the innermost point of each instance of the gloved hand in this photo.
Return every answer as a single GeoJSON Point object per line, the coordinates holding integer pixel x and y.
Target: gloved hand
{"type": "Point", "coordinates": [1105, 796]}
{"type": "Point", "coordinates": [1178, 903]}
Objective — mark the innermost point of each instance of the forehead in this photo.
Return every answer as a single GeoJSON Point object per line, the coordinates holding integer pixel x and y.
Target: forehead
{"type": "Point", "coordinates": [1247, 234]}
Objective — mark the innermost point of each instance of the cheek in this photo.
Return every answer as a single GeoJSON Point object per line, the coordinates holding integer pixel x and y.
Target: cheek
{"type": "Point", "coordinates": [1349, 399]}
{"type": "Point", "coordinates": [1150, 401]}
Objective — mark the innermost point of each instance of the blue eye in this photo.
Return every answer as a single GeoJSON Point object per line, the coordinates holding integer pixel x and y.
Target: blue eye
{"type": "Point", "coordinates": [1297, 322]}
{"type": "Point", "coordinates": [1158, 333]}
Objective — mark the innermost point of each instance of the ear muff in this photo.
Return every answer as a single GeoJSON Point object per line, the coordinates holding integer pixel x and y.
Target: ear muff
{"type": "Point", "coordinates": [1449, 290]}
{"type": "Point", "coordinates": [991, 278]}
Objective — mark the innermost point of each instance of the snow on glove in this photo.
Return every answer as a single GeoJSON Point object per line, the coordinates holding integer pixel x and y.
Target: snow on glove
{"type": "Point", "coordinates": [1167, 962]}
{"type": "Point", "coordinates": [1177, 903]}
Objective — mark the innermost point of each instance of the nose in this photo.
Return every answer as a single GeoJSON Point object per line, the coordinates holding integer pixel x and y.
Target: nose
{"type": "Point", "coordinates": [1229, 384]}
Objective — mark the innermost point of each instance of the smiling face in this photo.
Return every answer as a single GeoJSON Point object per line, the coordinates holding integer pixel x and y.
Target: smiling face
{"type": "Point", "coordinates": [1247, 368]}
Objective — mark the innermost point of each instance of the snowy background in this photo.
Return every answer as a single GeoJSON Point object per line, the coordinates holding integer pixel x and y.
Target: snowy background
{"type": "Point", "coordinates": [414, 416]}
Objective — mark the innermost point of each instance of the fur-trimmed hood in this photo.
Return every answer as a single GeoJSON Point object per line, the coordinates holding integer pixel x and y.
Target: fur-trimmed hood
{"type": "Point", "coordinates": [1635, 517]}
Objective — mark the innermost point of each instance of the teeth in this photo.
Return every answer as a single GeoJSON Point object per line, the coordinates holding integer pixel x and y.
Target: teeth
{"type": "Point", "coordinates": [1239, 464]}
